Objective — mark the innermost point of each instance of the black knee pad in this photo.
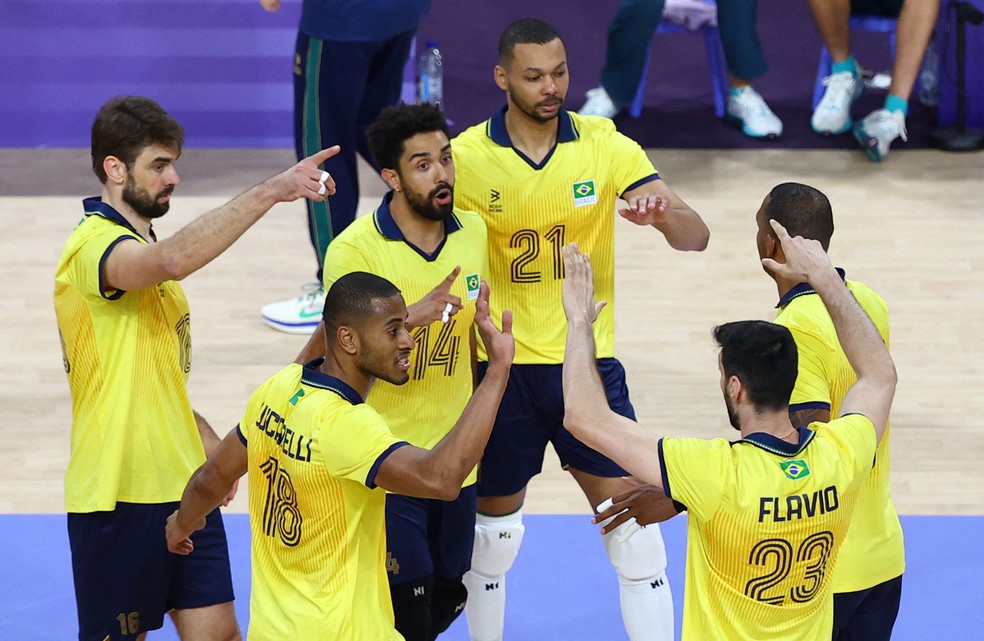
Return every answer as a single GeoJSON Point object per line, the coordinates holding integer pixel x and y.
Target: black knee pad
{"type": "Point", "coordinates": [412, 608]}
{"type": "Point", "coordinates": [447, 603]}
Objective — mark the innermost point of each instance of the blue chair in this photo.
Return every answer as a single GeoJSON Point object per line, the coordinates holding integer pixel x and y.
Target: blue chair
{"type": "Point", "coordinates": [715, 63]}
{"type": "Point", "coordinates": [877, 24]}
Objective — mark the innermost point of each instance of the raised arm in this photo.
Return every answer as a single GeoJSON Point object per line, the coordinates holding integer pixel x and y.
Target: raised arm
{"type": "Point", "coordinates": [874, 390]}
{"type": "Point", "coordinates": [586, 412]}
{"type": "Point", "coordinates": [208, 486]}
{"type": "Point", "coordinates": [132, 266]}
{"type": "Point", "coordinates": [654, 203]}
{"type": "Point", "coordinates": [439, 473]}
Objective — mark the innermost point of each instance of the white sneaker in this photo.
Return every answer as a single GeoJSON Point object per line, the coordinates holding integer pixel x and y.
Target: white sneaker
{"type": "Point", "coordinates": [877, 131]}
{"type": "Point", "coordinates": [599, 103]}
{"type": "Point", "coordinates": [747, 110]}
{"type": "Point", "coordinates": [833, 113]}
{"type": "Point", "coordinates": [299, 315]}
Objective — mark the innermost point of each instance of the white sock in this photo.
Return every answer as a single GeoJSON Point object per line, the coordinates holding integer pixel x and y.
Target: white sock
{"type": "Point", "coordinates": [647, 608]}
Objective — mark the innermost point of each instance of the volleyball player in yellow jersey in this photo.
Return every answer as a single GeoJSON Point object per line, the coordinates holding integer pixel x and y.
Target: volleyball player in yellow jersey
{"type": "Point", "coordinates": [867, 582]}
{"type": "Point", "coordinates": [317, 456]}
{"type": "Point", "coordinates": [767, 514]}
{"type": "Point", "coordinates": [542, 177]}
{"type": "Point", "coordinates": [436, 255]}
{"type": "Point", "coordinates": [126, 333]}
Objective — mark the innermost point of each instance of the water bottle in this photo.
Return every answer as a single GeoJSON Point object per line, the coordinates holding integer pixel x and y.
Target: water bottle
{"type": "Point", "coordinates": [430, 75]}
{"type": "Point", "coordinates": [929, 78]}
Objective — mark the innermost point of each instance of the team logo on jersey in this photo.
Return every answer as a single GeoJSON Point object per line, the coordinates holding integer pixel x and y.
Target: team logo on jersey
{"type": "Point", "coordinates": [472, 281]}
{"type": "Point", "coordinates": [584, 193]}
{"type": "Point", "coordinates": [495, 207]}
{"type": "Point", "coordinates": [795, 470]}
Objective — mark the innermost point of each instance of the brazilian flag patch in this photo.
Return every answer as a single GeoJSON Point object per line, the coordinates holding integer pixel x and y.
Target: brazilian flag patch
{"type": "Point", "coordinates": [584, 193]}
{"type": "Point", "coordinates": [795, 470]}
{"type": "Point", "coordinates": [472, 281]}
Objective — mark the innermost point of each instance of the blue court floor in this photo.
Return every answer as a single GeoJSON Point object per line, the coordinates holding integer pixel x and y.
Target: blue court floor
{"type": "Point", "coordinates": [561, 587]}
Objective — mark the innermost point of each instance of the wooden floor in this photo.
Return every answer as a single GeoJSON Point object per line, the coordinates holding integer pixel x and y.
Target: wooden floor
{"type": "Point", "coordinates": [912, 228]}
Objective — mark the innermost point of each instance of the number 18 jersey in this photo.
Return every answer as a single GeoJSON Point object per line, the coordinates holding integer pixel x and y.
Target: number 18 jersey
{"type": "Point", "coordinates": [766, 519]}
{"type": "Point", "coordinates": [317, 519]}
{"type": "Point", "coordinates": [533, 209]}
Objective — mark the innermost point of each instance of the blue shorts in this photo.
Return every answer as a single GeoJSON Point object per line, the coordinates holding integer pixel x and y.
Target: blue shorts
{"type": "Point", "coordinates": [531, 414]}
{"type": "Point", "coordinates": [125, 578]}
{"type": "Point", "coordinates": [867, 615]}
{"type": "Point", "coordinates": [429, 537]}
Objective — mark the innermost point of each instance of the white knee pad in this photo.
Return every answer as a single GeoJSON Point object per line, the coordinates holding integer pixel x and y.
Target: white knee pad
{"type": "Point", "coordinates": [637, 553]}
{"type": "Point", "coordinates": [639, 558]}
{"type": "Point", "coordinates": [497, 541]}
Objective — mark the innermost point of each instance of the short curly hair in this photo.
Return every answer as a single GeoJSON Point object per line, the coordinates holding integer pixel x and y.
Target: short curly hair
{"type": "Point", "coordinates": [397, 124]}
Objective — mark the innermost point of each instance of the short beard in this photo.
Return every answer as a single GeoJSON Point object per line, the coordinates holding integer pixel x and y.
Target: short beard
{"type": "Point", "coordinates": [531, 111]}
{"type": "Point", "coordinates": [141, 201]}
{"type": "Point", "coordinates": [425, 206]}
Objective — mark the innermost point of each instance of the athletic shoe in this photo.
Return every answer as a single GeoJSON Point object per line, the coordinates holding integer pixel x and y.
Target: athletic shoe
{"type": "Point", "coordinates": [833, 113]}
{"type": "Point", "coordinates": [299, 315]}
{"type": "Point", "coordinates": [599, 103]}
{"type": "Point", "coordinates": [877, 131]}
{"type": "Point", "coordinates": [747, 110]}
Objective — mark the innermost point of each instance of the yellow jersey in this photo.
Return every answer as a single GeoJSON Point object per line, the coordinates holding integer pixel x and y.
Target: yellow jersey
{"type": "Point", "coordinates": [874, 550]}
{"type": "Point", "coordinates": [533, 209]}
{"type": "Point", "coordinates": [765, 521]}
{"type": "Point", "coordinates": [317, 519]}
{"type": "Point", "coordinates": [127, 356]}
{"type": "Point", "coordinates": [426, 408]}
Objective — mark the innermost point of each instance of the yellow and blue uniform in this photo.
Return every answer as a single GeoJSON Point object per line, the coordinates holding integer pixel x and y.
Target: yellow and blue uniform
{"type": "Point", "coordinates": [127, 356]}
{"type": "Point", "coordinates": [874, 551]}
{"type": "Point", "coordinates": [425, 537]}
{"type": "Point", "coordinates": [532, 210]}
{"type": "Point", "coordinates": [425, 409]}
{"type": "Point", "coordinates": [316, 515]}
{"type": "Point", "coordinates": [134, 440]}
{"type": "Point", "coordinates": [766, 521]}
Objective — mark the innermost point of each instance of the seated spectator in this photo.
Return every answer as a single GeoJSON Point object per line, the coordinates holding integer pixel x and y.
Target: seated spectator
{"type": "Point", "coordinates": [629, 37]}
{"type": "Point", "coordinates": [832, 116]}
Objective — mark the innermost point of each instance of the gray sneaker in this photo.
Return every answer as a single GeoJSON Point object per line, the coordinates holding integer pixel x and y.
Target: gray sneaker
{"type": "Point", "coordinates": [833, 113]}
{"type": "Point", "coordinates": [599, 103]}
{"type": "Point", "coordinates": [747, 110]}
{"type": "Point", "coordinates": [877, 131]}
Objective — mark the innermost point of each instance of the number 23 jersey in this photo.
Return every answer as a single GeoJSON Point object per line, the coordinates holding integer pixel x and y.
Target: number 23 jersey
{"type": "Point", "coordinates": [766, 519]}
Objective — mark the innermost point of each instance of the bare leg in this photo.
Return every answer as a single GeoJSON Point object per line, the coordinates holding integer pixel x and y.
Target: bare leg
{"type": "Point", "coordinates": [211, 623]}
{"type": "Point", "coordinates": [832, 18]}
{"type": "Point", "coordinates": [915, 26]}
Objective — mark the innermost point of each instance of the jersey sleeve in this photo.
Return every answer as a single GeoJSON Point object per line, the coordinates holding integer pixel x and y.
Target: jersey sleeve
{"type": "Point", "coordinates": [856, 437]}
{"type": "Point", "coordinates": [251, 415]}
{"type": "Point", "coordinates": [631, 166]}
{"type": "Point", "coordinates": [816, 368]}
{"type": "Point", "coordinates": [356, 444]}
{"type": "Point", "coordinates": [696, 472]}
{"type": "Point", "coordinates": [90, 260]}
{"type": "Point", "coordinates": [344, 258]}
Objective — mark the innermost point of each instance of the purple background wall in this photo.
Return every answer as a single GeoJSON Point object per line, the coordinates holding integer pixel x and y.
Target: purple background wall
{"type": "Point", "coordinates": [223, 67]}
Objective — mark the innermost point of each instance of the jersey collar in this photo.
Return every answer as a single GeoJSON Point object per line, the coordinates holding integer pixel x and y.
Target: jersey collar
{"type": "Point", "coordinates": [316, 378]}
{"type": "Point", "coordinates": [770, 443]}
{"type": "Point", "coordinates": [802, 290]}
{"type": "Point", "coordinates": [95, 206]}
{"type": "Point", "coordinates": [496, 128]}
{"type": "Point", "coordinates": [386, 225]}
